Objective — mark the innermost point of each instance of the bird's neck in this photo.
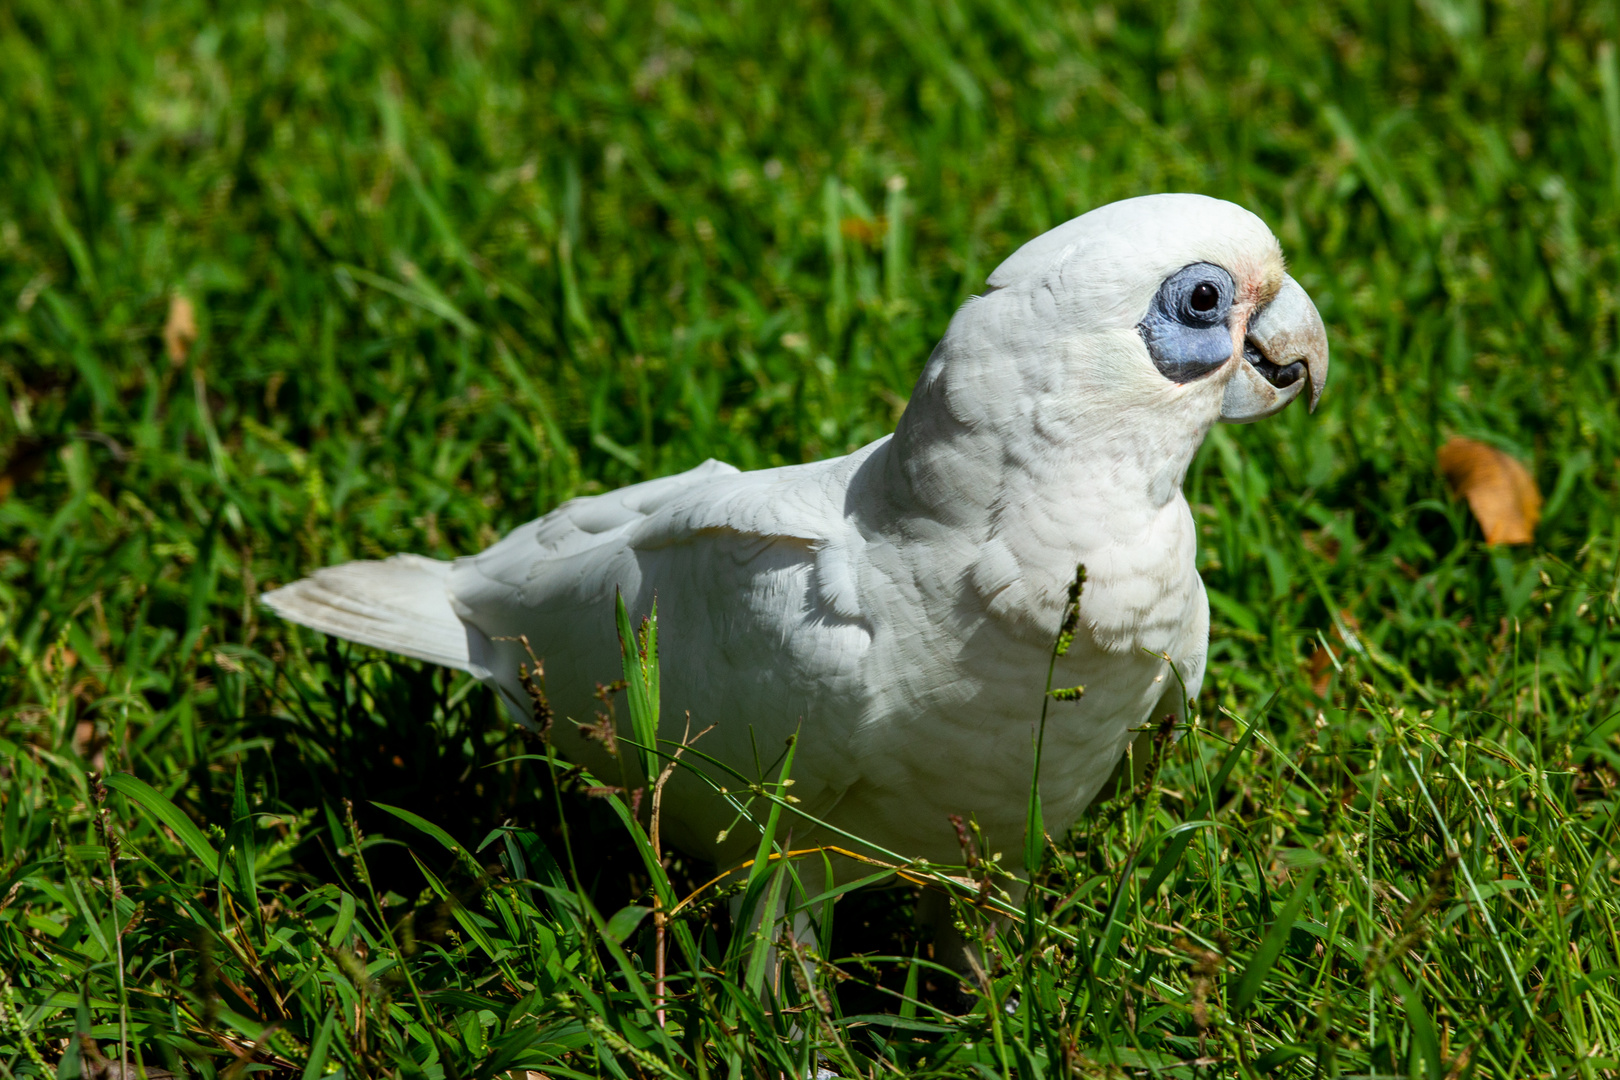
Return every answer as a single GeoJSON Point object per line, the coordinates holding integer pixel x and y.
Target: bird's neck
{"type": "Point", "coordinates": [1017, 436]}
{"type": "Point", "coordinates": [1034, 477]}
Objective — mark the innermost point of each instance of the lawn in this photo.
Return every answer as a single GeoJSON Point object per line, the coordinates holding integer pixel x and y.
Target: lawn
{"type": "Point", "coordinates": [287, 284]}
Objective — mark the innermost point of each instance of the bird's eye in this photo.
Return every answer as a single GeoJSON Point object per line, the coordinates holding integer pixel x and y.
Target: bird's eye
{"type": "Point", "coordinates": [1184, 329]}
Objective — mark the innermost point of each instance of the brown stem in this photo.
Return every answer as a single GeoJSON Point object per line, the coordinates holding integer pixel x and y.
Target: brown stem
{"type": "Point", "coordinates": [660, 918]}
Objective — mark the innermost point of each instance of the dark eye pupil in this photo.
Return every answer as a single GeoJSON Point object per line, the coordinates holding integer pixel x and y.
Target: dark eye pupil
{"type": "Point", "coordinates": [1205, 297]}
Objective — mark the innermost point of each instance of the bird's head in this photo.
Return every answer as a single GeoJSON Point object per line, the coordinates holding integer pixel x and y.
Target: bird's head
{"type": "Point", "coordinates": [1100, 356]}
{"type": "Point", "coordinates": [1175, 303]}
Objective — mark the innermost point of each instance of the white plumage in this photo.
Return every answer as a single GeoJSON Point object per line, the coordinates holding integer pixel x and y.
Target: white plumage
{"type": "Point", "coordinates": [898, 605]}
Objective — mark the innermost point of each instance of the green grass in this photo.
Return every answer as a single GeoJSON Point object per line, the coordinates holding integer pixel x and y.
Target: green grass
{"type": "Point", "coordinates": [454, 265]}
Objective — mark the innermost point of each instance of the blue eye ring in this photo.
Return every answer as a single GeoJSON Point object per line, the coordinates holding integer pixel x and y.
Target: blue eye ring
{"type": "Point", "coordinates": [1186, 330]}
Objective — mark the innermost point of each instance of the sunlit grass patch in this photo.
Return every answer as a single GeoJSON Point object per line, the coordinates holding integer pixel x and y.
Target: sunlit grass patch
{"type": "Point", "coordinates": [448, 267]}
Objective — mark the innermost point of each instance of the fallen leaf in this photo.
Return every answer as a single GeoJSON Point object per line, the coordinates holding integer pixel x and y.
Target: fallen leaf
{"type": "Point", "coordinates": [1326, 546]}
{"type": "Point", "coordinates": [181, 328]}
{"type": "Point", "coordinates": [88, 743]}
{"type": "Point", "coordinates": [1500, 491]}
{"type": "Point", "coordinates": [863, 231]}
{"type": "Point", "coordinates": [1320, 668]}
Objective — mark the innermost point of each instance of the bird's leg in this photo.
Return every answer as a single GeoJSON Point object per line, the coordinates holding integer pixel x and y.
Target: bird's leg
{"type": "Point", "coordinates": [959, 945]}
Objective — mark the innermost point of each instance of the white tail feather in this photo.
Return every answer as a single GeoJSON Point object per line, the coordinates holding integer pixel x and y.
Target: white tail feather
{"type": "Point", "coordinates": [399, 604]}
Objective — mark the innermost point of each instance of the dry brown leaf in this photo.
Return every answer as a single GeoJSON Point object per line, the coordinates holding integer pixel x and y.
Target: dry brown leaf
{"type": "Point", "coordinates": [863, 231]}
{"type": "Point", "coordinates": [1320, 668]}
{"type": "Point", "coordinates": [1500, 491]}
{"type": "Point", "coordinates": [181, 328]}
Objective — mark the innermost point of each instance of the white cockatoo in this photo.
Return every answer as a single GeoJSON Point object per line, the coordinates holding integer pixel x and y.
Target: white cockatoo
{"type": "Point", "coordinates": [896, 607]}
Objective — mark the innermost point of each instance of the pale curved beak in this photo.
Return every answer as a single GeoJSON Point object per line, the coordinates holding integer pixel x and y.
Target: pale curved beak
{"type": "Point", "coordinates": [1286, 348]}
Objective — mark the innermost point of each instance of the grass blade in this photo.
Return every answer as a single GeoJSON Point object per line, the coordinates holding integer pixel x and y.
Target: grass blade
{"type": "Point", "coordinates": [639, 653]}
{"type": "Point", "coordinates": [314, 1067]}
{"type": "Point", "coordinates": [425, 825]}
{"type": "Point", "coordinates": [155, 804]}
{"type": "Point", "coordinates": [1260, 964]}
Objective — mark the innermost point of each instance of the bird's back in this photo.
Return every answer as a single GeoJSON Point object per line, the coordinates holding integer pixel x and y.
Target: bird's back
{"type": "Point", "coordinates": [755, 633]}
